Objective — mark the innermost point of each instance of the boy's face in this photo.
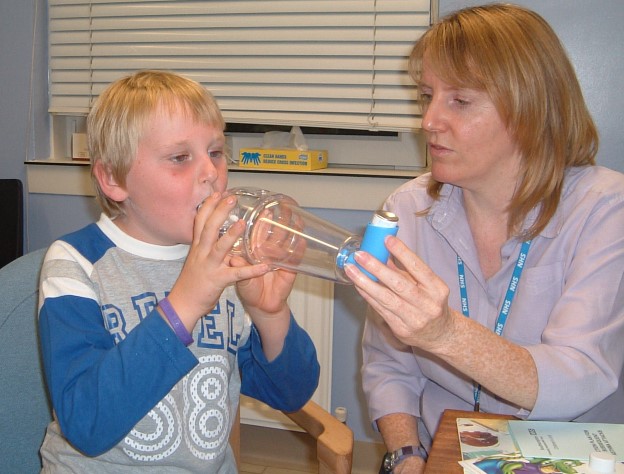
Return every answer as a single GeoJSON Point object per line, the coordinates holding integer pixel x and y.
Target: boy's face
{"type": "Point", "coordinates": [179, 163]}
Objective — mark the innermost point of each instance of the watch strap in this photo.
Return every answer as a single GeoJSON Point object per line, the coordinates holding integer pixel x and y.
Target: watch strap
{"type": "Point", "coordinates": [391, 460]}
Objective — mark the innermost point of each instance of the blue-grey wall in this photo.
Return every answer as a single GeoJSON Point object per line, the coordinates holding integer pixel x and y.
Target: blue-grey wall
{"type": "Point", "coordinates": [23, 69]}
{"type": "Point", "coordinates": [591, 31]}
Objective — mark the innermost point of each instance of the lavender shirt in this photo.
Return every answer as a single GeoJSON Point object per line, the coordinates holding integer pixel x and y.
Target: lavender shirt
{"type": "Point", "coordinates": [568, 311]}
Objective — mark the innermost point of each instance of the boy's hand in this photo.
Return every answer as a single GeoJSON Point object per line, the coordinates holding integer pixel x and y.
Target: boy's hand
{"type": "Point", "coordinates": [264, 298]}
{"type": "Point", "coordinates": [265, 295]}
{"type": "Point", "coordinates": [207, 270]}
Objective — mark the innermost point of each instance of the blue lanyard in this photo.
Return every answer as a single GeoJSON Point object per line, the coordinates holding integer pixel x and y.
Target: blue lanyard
{"type": "Point", "coordinates": [505, 308]}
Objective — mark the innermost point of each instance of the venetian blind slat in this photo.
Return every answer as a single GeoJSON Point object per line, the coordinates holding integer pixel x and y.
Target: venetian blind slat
{"type": "Point", "coordinates": [319, 63]}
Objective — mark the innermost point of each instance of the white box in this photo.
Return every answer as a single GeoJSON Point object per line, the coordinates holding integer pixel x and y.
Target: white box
{"type": "Point", "coordinates": [80, 150]}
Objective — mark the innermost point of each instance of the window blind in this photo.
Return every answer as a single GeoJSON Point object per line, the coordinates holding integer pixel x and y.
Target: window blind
{"type": "Point", "coordinates": [316, 63]}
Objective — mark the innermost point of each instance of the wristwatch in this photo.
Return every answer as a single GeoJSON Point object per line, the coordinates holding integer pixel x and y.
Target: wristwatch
{"type": "Point", "coordinates": [391, 460]}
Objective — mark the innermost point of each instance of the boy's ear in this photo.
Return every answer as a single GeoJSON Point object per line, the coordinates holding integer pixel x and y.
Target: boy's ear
{"type": "Point", "coordinates": [108, 184]}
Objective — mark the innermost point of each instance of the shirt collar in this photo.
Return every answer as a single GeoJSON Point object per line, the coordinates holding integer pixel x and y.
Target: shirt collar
{"type": "Point", "coordinates": [448, 209]}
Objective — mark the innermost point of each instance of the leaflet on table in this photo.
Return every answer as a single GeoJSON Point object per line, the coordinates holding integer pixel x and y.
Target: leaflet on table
{"type": "Point", "coordinates": [516, 463]}
{"type": "Point", "coordinates": [483, 437]}
{"type": "Point", "coordinates": [487, 447]}
{"type": "Point", "coordinates": [569, 440]}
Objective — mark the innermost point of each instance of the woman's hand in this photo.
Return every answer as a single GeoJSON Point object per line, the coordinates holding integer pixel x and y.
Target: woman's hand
{"type": "Point", "coordinates": [413, 301]}
{"type": "Point", "coordinates": [409, 296]}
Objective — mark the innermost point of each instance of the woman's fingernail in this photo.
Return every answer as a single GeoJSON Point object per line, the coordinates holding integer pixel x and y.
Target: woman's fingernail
{"type": "Point", "coordinates": [350, 268]}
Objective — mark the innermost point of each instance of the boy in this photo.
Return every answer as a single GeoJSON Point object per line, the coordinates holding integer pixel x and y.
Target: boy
{"type": "Point", "coordinates": [122, 298]}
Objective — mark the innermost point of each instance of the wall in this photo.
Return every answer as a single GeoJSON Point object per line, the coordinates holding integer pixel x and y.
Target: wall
{"type": "Point", "coordinates": [592, 32]}
{"type": "Point", "coordinates": [24, 120]}
{"type": "Point", "coordinates": [23, 68]}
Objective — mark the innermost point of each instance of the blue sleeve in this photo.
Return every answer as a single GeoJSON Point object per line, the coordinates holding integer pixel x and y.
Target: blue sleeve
{"type": "Point", "coordinates": [287, 382]}
{"type": "Point", "coordinates": [100, 390]}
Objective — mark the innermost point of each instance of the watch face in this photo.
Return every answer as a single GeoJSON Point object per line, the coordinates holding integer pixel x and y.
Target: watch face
{"type": "Point", "coordinates": [388, 462]}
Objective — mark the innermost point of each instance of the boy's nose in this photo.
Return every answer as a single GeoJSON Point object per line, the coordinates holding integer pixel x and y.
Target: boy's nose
{"type": "Point", "coordinates": [209, 172]}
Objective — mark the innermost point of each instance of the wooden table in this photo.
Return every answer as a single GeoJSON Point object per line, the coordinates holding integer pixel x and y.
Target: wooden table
{"type": "Point", "coordinates": [445, 453]}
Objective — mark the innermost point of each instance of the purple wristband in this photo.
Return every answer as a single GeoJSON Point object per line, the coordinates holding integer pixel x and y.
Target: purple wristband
{"type": "Point", "coordinates": [175, 322]}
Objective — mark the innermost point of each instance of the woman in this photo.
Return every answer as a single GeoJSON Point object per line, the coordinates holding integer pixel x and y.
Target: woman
{"type": "Point", "coordinates": [505, 290]}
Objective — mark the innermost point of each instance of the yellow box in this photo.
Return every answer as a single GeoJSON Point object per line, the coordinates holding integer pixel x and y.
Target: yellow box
{"type": "Point", "coordinates": [283, 159]}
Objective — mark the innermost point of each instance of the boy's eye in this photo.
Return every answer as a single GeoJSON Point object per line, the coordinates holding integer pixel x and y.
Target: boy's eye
{"type": "Point", "coordinates": [215, 154]}
{"type": "Point", "coordinates": [179, 158]}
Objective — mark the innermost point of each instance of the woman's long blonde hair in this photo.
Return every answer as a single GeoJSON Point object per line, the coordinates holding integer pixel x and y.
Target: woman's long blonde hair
{"type": "Point", "coordinates": [513, 55]}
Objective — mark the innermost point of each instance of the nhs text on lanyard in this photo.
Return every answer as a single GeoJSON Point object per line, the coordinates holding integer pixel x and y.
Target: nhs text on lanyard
{"type": "Point", "coordinates": [509, 296]}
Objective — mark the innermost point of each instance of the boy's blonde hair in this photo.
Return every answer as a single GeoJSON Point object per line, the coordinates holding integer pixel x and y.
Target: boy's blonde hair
{"type": "Point", "coordinates": [118, 118]}
{"type": "Point", "coordinates": [513, 55]}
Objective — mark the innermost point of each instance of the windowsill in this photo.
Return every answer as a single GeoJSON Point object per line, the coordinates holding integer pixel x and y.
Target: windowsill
{"type": "Point", "coordinates": [333, 188]}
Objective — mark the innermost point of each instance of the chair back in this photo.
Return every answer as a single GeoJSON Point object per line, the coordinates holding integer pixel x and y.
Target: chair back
{"type": "Point", "coordinates": [24, 406]}
{"type": "Point", "coordinates": [12, 218]}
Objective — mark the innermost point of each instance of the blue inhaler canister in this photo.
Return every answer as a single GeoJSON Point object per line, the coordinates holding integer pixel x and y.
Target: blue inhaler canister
{"type": "Point", "coordinates": [383, 223]}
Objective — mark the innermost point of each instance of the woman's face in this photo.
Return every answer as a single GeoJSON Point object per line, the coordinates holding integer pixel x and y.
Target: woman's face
{"type": "Point", "coordinates": [468, 142]}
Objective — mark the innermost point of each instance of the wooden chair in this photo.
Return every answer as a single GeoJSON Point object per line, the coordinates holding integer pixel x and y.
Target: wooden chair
{"type": "Point", "coordinates": [24, 407]}
{"type": "Point", "coordinates": [334, 440]}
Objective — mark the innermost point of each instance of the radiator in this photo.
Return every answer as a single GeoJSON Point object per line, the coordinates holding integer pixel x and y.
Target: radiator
{"type": "Point", "coordinates": [312, 303]}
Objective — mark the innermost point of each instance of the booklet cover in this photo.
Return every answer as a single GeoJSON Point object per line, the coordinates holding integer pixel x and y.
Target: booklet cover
{"type": "Point", "coordinates": [480, 437]}
{"type": "Point", "coordinates": [488, 447]}
{"type": "Point", "coordinates": [567, 440]}
{"type": "Point", "coordinates": [517, 464]}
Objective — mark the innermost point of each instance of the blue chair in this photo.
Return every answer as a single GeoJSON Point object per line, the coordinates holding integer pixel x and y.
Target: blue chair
{"type": "Point", "coordinates": [24, 406]}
